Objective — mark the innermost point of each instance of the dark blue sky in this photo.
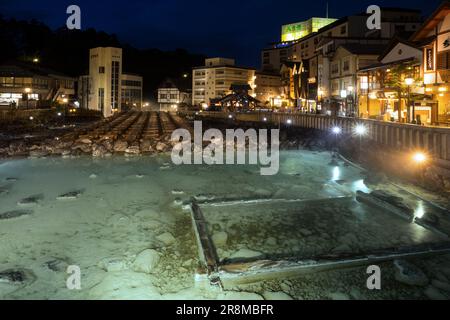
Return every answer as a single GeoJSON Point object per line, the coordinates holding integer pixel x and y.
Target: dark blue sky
{"type": "Point", "coordinates": [231, 28]}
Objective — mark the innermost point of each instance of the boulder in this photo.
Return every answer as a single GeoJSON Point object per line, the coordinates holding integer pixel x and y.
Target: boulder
{"type": "Point", "coordinates": [146, 261]}
{"type": "Point", "coordinates": [120, 146]}
{"type": "Point", "coordinates": [166, 238]}
{"type": "Point", "coordinates": [15, 214]}
{"type": "Point", "coordinates": [409, 274]}
{"type": "Point", "coordinates": [133, 150]}
{"type": "Point", "coordinates": [85, 141]}
{"type": "Point", "coordinates": [98, 151]}
{"type": "Point", "coordinates": [161, 147]}
{"type": "Point", "coordinates": [113, 264]}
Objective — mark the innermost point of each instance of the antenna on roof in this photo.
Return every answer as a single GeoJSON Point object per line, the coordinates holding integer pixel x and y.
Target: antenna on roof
{"type": "Point", "coordinates": [327, 10]}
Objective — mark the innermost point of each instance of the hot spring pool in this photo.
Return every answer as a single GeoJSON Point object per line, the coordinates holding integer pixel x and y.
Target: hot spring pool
{"type": "Point", "coordinates": [125, 206]}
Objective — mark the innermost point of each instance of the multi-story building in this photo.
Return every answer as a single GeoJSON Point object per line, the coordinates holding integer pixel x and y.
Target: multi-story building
{"type": "Point", "coordinates": [383, 88]}
{"type": "Point", "coordinates": [106, 83]}
{"type": "Point", "coordinates": [105, 76]}
{"type": "Point", "coordinates": [214, 80]}
{"type": "Point", "coordinates": [173, 93]}
{"type": "Point", "coordinates": [24, 85]}
{"type": "Point", "coordinates": [268, 89]}
{"type": "Point", "coordinates": [433, 39]}
{"type": "Point", "coordinates": [315, 50]}
{"type": "Point", "coordinates": [344, 65]}
{"type": "Point", "coordinates": [131, 91]}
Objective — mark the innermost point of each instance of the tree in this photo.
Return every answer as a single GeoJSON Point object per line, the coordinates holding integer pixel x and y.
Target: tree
{"type": "Point", "coordinates": [395, 80]}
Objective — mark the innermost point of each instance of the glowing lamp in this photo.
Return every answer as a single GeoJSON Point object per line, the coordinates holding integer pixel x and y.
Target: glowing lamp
{"type": "Point", "coordinates": [360, 130]}
{"type": "Point", "coordinates": [419, 157]}
{"type": "Point", "coordinates": [409, 81]}
{"type": "Point", "coordinates": [337, 130]}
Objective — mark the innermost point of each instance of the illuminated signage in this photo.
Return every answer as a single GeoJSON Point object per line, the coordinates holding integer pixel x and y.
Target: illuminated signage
{"type": "Point", "coordinates": [429, 56]}
{"type": "Point", "coordinates": [295, 31]}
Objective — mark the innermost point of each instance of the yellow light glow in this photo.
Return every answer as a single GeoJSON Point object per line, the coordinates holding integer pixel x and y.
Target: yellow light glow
{"type": "Point", "coordinates": [442, 89]}
{"type": "Point", "coordinates": [429, 89]}
{"type": "Point", "coordinates": [27, 90]}
{"type": "Point", "coordinates": [409, 81]}
{"type": "Point", "coordinates": [420, 157]}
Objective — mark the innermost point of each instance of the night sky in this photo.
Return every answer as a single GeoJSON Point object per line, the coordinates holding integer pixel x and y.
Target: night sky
{"type": "Point", "coordinates": [230, 28]}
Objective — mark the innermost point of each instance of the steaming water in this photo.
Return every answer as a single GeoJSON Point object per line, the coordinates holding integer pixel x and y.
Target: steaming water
{"type": "Point", "coordinates": [128, 205]}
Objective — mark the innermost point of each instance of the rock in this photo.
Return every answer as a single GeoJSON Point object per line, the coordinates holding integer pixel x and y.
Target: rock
{"type": "Point", "coordinates": [305, 232]}
{"type": "Point", "coordinates": [93, 176]}
{"type": "Point", "coordinates": [445, 286]}
{"type": "Point", "coordinates": [108, 144]}
{"type": "Point", "coordinates": [146, 146]}
{"type": "Point", "coordinates": [85, 148]}
{"type": "Point", "coordinates": [166, 238]}
{"type": "Point", "coordinates": [246, 254]}
{"type": "Point", "coordinates": [177, 192]}
{"type": "Point", "coordinates": [17, 276]}
{"type": "Point", "coordinates": [72, 195]}
{"type": "Point", "coordinates": [220, 238]}
{"type": "Point", "coordinates": [99, 151]}
{"type": "Point", "coordinates": [4, 190]}
{"type": "Point", "coordinates": [178, 202]}
{"type": "Point", "coordinates": [31, 201]}
{"type": "Point", "coordinates": [339, 296]}
{"type": "Point", "coordinates": [125, 285]}
{"type": "Point", "coordinates": [409, 274]}
{"type": "Point", "coordinates": [57, 265]}
{"type": "Point", "coordinates": [263, 193]}
{"type": "Point", "coordinates": [133, 150]}
{"type": "Point", "coordinates": [85, 141]}
{"type": "Point", "coordinates": [271, 241]}
{"type": "Point", "coordinates": [120, 146]}
{"type": "Point", "coordinates": [113, 264]}
{"type": "Point", "coordinates": [146, 261]}
{"type": "Point", "coordinates": [161, 147]}
{"type": "Point", "coordinates": [434, 294]}
{"type": "Point", "coordinates": [38, 153]}
{"type": "Point", "coordinates": [15, 214]}
{"type": "Point", "coordinates": [274, 296]}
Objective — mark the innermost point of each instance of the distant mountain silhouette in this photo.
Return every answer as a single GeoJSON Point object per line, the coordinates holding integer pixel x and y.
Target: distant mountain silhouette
{"type": "Point", "coordinates": [67, 51]}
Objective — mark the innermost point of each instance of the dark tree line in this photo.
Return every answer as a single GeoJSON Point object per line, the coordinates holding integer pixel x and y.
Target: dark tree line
{"type": "Point", "coordinates": [67, 51]}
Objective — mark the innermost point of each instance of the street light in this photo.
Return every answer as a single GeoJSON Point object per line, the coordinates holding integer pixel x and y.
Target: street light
{"type": "Point", "coordinates": [409, 82]}
{"type": "Point", "coordinates": [420, 160]}
{"type": "Point", "coordinates": [420, 157]}
{"type": "Point", "coordinates": [337, 130]}
{"type": "Point", "coordinates": [361, 131]}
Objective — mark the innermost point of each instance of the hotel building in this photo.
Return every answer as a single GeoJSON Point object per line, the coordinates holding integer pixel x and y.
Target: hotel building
{"type": "Point", "coordinates": [314, 52]}
{"type": "Point", "coordinates": [214, 80]}
{"type": "Point", "coordinates": [433, 40]}
{"type": "Point", "coordinates": [30, 86]}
